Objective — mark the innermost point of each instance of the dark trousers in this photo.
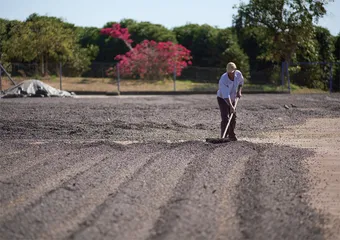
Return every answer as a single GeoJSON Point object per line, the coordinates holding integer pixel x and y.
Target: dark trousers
{"type": "Point", "coordinates": [225, 114]}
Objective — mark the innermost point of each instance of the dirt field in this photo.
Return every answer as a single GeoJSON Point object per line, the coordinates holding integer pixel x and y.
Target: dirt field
{"type": "Point", "coordinates": [138, 168]}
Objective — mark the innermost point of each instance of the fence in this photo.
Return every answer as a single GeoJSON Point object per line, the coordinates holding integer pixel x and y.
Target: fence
{"type": "Point", "coordinates": [318, 75]}
{"type": "Point", "coordinates": [272, 78]}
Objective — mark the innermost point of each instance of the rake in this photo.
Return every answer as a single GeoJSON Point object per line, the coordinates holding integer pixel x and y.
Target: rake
{"type": "Point", "coordinates": [223, 139]}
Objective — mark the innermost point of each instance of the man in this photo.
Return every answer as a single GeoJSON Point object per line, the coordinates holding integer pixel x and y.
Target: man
{"type": "Point", "coordinates": [230, 87]}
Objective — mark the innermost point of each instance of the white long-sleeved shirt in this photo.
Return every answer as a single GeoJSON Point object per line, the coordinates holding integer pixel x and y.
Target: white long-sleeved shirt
{"type": "Point", "coordinates": [228, 88]}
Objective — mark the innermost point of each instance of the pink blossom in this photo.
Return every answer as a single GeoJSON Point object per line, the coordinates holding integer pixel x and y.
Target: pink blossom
{"type": "Point", "coordinates": [148, 59]}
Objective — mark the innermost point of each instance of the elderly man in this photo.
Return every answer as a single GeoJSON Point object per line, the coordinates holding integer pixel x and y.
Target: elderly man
{"type": "Point", "coordinates": [230, 87]}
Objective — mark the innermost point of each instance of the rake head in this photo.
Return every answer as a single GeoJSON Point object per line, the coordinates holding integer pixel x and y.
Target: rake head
{"type": "Point", "coordinates": [217, 140]}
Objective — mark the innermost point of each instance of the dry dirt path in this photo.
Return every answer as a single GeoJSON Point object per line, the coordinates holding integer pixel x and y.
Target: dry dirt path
{"type": "Point", "coordinates": [63, 174]}
{"type": "Point", "coordinates": [322, 135]}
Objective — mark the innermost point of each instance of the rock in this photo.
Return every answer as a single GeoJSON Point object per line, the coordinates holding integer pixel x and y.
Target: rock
{"type": "Point", "coordinates": [286, 106]}
{"type": "Point", "coordinates": [294, 106]}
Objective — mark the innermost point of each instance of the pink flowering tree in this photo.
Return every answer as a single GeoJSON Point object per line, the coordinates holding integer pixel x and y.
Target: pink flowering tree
{"type": "Point", "coordinates": [148, 59]}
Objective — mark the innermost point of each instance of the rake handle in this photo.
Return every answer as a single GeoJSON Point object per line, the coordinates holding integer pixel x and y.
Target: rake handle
{"type": "Point", "coordinates": [231, 116]}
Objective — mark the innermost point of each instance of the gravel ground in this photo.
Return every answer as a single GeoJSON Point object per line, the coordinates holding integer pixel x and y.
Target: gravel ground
{"type": "Point", "coordinates": [65, 172]}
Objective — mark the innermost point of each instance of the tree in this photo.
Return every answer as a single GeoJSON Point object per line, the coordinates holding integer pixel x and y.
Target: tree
{"type": "Point", "coordinates": [108, 48]}
{"type": "Point", "coordinates": [148, 59]}
{"type": "Point", "coordinates": [325, 42]}
{"type": "Point", "coordinates": [3, 35]}
{"type": "Point", "coordinates": [253, 41]}
{"type": "Point", "coordinates": [211, 46]}
{"type": "Point", "coordinates": [337, 66]}
{"type": "Point", "coordinates": [201, 41]}
{"type": "Point", "coordinates": [325, 48]}
{"type": "Point", "coordinates": [5, 28]}
{"type": "Point", "coordinates": [287, 24]}
{"type": "Point", "coordinates": [229, 50]}
{"type": "Point", "coordinates": [318, 49]}
{"type": "Point", "coordinates": [141, 31]}
{"type": "Point", "coordinates": [44, 39]}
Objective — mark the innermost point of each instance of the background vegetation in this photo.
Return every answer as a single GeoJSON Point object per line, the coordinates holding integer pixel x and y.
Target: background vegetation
{"type": "Point", "coordinates": [265, 33]}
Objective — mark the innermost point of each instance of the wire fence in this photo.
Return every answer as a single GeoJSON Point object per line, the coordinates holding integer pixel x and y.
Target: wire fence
{"type": "Point", "coordinates": [318, 75]}
{"type": "Point", "coordinates": [107, 78]}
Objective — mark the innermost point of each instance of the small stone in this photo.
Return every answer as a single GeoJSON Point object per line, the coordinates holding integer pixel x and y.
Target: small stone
{"type": "Point", "coordinates": [286, 106]}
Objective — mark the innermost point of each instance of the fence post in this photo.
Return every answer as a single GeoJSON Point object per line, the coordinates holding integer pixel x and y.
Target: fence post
{"type": "Point", "coordinates": [282, 75]}
{"type": "Point", "coordinates": [118, 79]}
{"type": "Point", "coordinates": [175, 78]}
{"type": "Point", "coordinates": [288, 78]}
{"type": "Point", "coordinates": [0, 80]}
{"type": "Point", "coordinates": [61, 75]}
{"type": "Point", "coordinates": [331, 79]}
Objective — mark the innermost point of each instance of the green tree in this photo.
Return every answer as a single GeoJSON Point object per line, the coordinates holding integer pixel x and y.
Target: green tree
{"type": "Point", "coordinates": [5, 28]}
{"type": "Point", "coordinates": [147, 31]}
{"type": "Point", "coordinates": [326, 45]}
{"type": "Point", "coordinates": [337, 66]}
{"type": "Point", "coordinates": [108, 47]}
{"type": "Point", "coordinates": [3, 34]}
{"type": "Point", "coordinates": [111, 47]}
{"type": "Point", "coordinates": [287, 24]}
{"type": "Point", "coordinates": [211, 46]}
{"type": "Point", "coordinates": [45, 39]}
{"type": "Point", "coordinates": [201, 41]}
{"type": "Point", "coordinates": [337, 47]}
{"type": "Point", "coordinates": [318, 49]}
{"type": "Point", "coordinates": [229, 50]}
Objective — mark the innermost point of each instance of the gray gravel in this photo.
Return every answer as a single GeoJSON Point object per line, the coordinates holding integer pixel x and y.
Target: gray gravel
{"type": "Point", "coordinates": [64, 173]}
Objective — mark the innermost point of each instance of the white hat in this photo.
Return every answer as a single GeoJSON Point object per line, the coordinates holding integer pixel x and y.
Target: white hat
{"type": "Point", "coordinates": [231, 67]}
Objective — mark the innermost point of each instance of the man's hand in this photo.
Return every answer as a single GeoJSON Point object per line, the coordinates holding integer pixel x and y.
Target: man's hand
{"type": "Point", "coordinates": [232, 109]}
{"type": "Point", "coordinates": [239, 90]}
{"type": "Point", "coordinates": [239, 94]}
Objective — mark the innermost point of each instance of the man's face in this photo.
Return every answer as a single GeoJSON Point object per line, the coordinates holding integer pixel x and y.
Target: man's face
{"type": "Point", "coordinates": [231, 75]}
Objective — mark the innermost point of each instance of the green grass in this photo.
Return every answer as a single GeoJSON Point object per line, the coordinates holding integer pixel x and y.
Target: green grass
{"type": "Point", "coordinates": [301, 90]}
{"type": "Point", "coordinates": [272, 88]}
{"type": "Point", "coordinates": [110, 85]}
